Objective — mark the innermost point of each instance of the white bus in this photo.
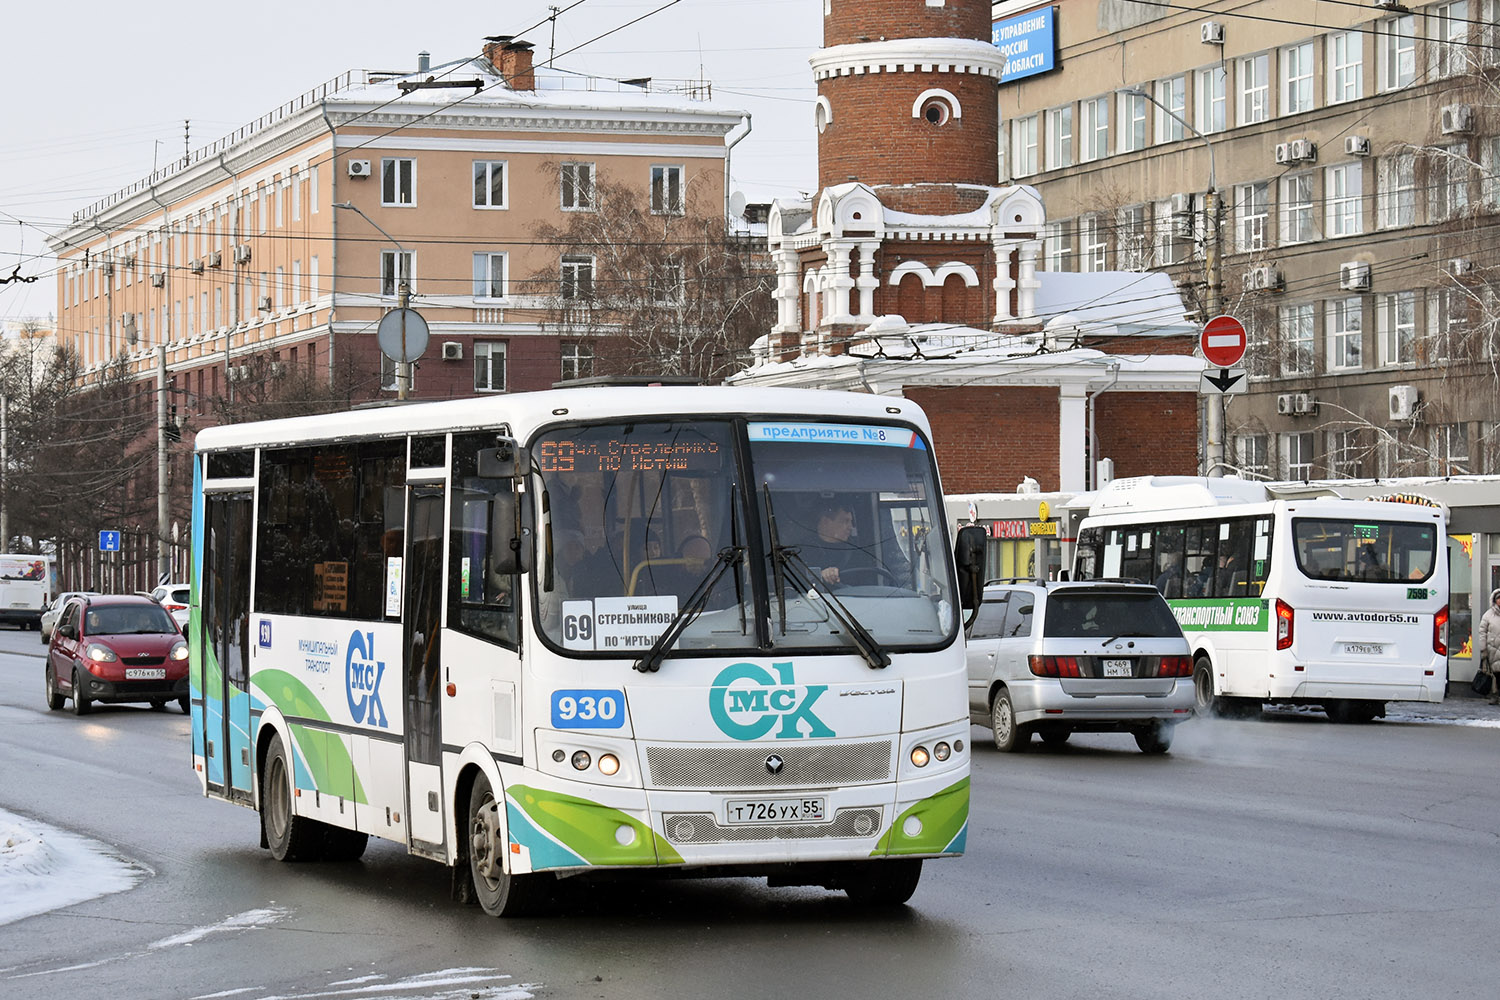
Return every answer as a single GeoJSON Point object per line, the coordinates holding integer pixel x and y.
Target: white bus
{"type": "Point", "coordinates": [587, 629]}
{"type": "Point", "coordinates": [26, 585]}
{"type": "Point", "coordinates": [1336, 603]}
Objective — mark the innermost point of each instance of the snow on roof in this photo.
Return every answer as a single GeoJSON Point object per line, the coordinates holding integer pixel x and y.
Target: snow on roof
{"type": "Point", "coordinates": [1129, 302]}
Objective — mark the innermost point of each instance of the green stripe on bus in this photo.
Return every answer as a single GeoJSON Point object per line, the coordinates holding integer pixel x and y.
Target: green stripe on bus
{"type": "Point", "coordinates": [327, 758]}
{"type": "Point", "coordinates": [1230, 614]}
{"type": "Point", "coordinates": [942, 816]}
{"type": "Point", "coordinates": [589, 829]}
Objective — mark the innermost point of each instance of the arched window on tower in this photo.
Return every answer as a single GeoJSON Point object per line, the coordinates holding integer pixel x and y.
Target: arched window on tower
{"type": "Point", "coordinates": [937, 107]}
{"type": "Point", "coordinates": [955, 293]}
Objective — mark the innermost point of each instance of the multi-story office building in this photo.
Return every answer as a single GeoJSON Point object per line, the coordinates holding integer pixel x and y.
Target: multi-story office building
{"type": "Point", "coordinates": [239, 263]}
{"type": "Point", "coordinates": [1325, 172]}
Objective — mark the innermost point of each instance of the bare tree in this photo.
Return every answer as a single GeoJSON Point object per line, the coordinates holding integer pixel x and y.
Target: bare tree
{"type": "Point", "coordinates": [660, 293]}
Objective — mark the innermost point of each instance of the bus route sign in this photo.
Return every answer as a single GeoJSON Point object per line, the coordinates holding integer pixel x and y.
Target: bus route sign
{"type": "Point", "coordinates": [109, 541]}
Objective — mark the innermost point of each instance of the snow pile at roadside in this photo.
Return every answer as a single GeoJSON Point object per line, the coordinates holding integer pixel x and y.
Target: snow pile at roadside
{"type": "Point", "coordinates": [43, 868]}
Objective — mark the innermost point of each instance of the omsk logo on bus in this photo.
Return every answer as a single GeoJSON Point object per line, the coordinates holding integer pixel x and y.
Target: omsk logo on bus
{"type": "Point", "coordinates": [747, 702]}
{"type": "Point", "coordinates": [362, 673]}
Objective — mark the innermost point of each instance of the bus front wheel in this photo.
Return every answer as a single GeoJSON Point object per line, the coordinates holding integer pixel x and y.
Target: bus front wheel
{"type": "Point", "coordinates": [882, 883]}
{"type": "Point", "coordinates": [500, 893]}
{"type": "Point", "coordinates": [1204, 701]}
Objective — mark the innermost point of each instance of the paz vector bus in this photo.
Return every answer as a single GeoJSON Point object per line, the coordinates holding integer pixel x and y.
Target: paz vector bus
{"type": "Point", "coordinates": [708, 631]}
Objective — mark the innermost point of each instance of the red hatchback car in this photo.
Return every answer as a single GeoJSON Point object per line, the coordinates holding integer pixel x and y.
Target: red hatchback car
{"type": "Point", "coordinates": [116, 649]}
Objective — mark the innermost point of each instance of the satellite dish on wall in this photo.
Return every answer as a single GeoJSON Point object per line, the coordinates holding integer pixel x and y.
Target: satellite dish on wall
{"type": "Point", "coordinates": [736, 204]}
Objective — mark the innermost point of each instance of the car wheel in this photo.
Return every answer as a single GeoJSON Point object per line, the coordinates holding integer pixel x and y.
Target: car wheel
{"type": "Point", "coordinates": [54, 699]}
{"type": "Point", "coordinates": [1155, 738]}
{"type": "Point", "coordinates": [1204, 702]}
{"type": "Point", "coordinates": [1009, 737]}
{"type": "Point", "coordinates": [158, 705]}
{"type": "Point", "coordinates": [186, 705]}
{"type": "Point", "coordinates": [1055, 735]}
{"type": "Point", "coordinates": [289, 836]}
{"type": "Point", "coordinates": [500, 893]}
{"type": "Point", "coordinates": [882, 883]}
{"type": "Point", "coordinates": [81, 703]}
{"type": "Point", "coordinates": [45, 637]}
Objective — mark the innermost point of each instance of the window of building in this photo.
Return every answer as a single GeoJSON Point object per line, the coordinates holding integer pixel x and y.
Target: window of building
{"type": "Point", "coordinates": [1447, 323]}
{"type": "Point", "coordinates": [1346, 68]}
{"type": "Point", "coordinates": [1060, 137]}
{"type": "Point", "coordinates": [1297, 78]}
{"type": "Point", "coordinates": [577, 360]}
{"type": "Point", "coordinates": [390, 375]}
{"type": "Point", "coordinates": [1094, 128]}
{"type": "Point", "coordinates": [490, 275]}
{"type": "Point", "coordinates": [1252, 216]}
{"type": "Point", "coordinates": [577, 183]}
{"type": "Point", "coordinates": [1057, 243]}
{"type": "Point", "coordinates": [396, 267]}
{"type": "Point", "coordinates": [1023, 143]}
{"type": "Point", "coordinates": [1297, 339]}
{"type": "Point", "coordinates": [1345, 454]}
{"type": "Point", "coordinates": [1254, 457]}
{"type": "Point", "coordinates": [1343, 199]}
{"type": "Point", "coordinates": [1132, 123]}
{"type": "Point", "coordinates": [1450, 450]}
{"type": "Point", "coordinates": [1254, 76]}
{"type": "Point", "coordinates": [666, 190]}
{"type": "Point", "coordinates": [490, 184]}
{"type": "Point", "coordinates": [1164, 233]}
{"type": "Point", "coordinates": [1298, 455]}
{"type": "Point", "coordinates": [1448, 37]}
{"type": "Point", "coordinates": [1396, 325]}
{"type": "Point", "coordinates": [1298, 211]}
{"type": "Point", "coordinates": [1345, 319]}
{"type": "Point", "coordinates": [577, 276]}
{"type": "Point", "coordinates": [398, 181]}
{"type": "Point", "coordinates": [1448, 172]}
{"type": "Point", "coordinates": [1093, 244]}
{"type": "Point", "coordinates": [297, 180]}
{"type": "Point", "coordinates": [1135, 239]}
{"type": "Point", "coordinates": [1396, 38]}
{"type": "Point", "coordinates": [1210, 104]}
{"type": "Point", "coordinates": [489, 366]}
{"type": "Point", "coordinates": [666, 282]}
{"type": "Point", "coordinates": [1171, 109]}
{"type": "Point", "coordinates": [279, 186]}
{"type": "Point", "coordinates": [1396, 190]}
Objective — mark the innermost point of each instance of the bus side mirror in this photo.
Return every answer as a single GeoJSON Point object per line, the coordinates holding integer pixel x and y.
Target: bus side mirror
{"type": "Point", "coordinates": [968, 557]}
{"type": "Point", "coordinates": [507, 460]}
{"type": "Point", "coordinates": [512, 534]}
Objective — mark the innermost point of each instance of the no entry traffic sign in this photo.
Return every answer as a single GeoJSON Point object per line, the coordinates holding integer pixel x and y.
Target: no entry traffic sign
{"type": "Point", "coordinates": [1223, 341]}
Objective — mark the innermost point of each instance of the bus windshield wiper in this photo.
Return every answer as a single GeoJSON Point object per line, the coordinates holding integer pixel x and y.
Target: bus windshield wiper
{"type": "Point", "coordinates": [691, 609]}
{"type": "Point", "coordinates": [803, 576]}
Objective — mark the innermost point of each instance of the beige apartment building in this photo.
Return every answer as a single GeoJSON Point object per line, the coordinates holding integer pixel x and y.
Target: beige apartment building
{"type": "Point", "coordinates": [1323, 171]}
{"type": "Point", "coordinates": [280, 247]}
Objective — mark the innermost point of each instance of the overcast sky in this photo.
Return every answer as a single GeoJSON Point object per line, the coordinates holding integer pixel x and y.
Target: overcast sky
{"type": "Point", "coordinates": [96, 92]}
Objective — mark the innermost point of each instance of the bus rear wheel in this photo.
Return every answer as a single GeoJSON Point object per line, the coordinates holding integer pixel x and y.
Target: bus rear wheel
{"type": "Point", "coordinates": [500, 893]}
{"type": "Point", "coordinates": [289, 836]}
{"type": "Point", "coordinates": [1350, 710]}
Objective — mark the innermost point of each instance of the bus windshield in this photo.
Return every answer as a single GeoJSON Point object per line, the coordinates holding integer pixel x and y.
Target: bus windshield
{"type": "Point", "coordinates": [1373, 551]}
{"type": "Point", "coordinates": [641, 518]}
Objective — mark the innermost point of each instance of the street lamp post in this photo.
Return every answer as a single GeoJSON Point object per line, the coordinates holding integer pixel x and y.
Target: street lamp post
{"type": "Point", "coordinates": [403, 279]}
{"type": "Point", "coordinates": [1213, 452]}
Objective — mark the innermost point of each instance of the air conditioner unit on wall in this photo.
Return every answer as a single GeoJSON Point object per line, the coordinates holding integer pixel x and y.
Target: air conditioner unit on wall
{"type": "Point", "coordinates": [1211, 33]}
{"type": "Point", "coordinates": [265, 303]}
{"type": "Point", "coordinates": [359, 168]}
{"type": "Point", "coordinates": [453, 350]}
{"type": "Point", "coordinates": [1259, 279]}
{"type": "Point", "coordinates": [1284, 404]}
{"type": "Point", "coordinates": [1357, 145]}
{"type": "Point", "coordinates": [1284, 153]}
{"type": "Point", "coordinates": [242, 253]}
{"type": "Point", "coordinates": [196, 265]}
{"type": "Point", "coordinates": [1303, 150]}
{"type": "Point", "coordinates": [1457, 119]}
{"type": "Point", "coordinates": [1403, 402]}
{"type": "Point", "coordinates": [1354, 276]}
{"type": "Point", "coordinates": [1304, 404]}
{"type": "Point", "coordinates": [1461, 265]}
{"type": "Point", "coordinates": [214, 258]}
{"type": "Point", "coordinates": [159, 279]}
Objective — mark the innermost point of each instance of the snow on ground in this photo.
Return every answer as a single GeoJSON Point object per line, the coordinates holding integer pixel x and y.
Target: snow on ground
{"type": "Point", "coordinates": [43, 868]}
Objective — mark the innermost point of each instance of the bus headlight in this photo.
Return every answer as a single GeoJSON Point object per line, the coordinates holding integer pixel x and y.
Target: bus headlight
{"type": "Point", "coordinates": [609, 764]}
{"type": "Point", "coordinates": [941, 751]}
{"type": "Point", "coordinates": [919, 756]}
{"type": "Point", "coordinates": [581, 760]}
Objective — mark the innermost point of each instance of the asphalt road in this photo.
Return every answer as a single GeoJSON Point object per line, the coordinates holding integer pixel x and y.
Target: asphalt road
{"type": "Point", "coordinates": [1281, 857]}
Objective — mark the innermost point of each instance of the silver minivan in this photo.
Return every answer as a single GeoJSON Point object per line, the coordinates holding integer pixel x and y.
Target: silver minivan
{"type": "Point", "coordinates": [1087, 656]}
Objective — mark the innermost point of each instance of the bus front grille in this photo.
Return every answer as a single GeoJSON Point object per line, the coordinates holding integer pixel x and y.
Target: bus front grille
{"type": "Point", "coordinates": [702, 828]}
{"type": "Point", "coordinates": [745, 766]}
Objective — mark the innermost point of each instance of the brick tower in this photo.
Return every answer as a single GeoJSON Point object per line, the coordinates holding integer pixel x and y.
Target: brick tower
{"type": "Point", "coordinates": [908, 220]}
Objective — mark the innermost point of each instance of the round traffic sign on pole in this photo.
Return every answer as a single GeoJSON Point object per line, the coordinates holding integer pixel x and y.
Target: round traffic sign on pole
{"type": "Point", "coordinates": [1223, 341]}
{"type": "Point", "coordinates": [402, 335]}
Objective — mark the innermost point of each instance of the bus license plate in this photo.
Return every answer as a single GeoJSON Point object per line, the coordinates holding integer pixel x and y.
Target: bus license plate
{"type": "Point", "coordinates": [145, 673]}
{"type": "Point", "coordinates": [1117, 668]}
{"type": "Point", "coordinates": [749, 812]}
{"type": "Point", "coordinates": [1364, 648]}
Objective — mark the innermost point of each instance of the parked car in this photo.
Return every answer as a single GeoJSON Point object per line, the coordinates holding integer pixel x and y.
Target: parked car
{"type": "Point", "coordinates": [53, 610]}
{"type": "Point", "coordinates": [175, 597]}
{"type": "Point", "coordinates": [1087, 656]}
{"type": "Point", "coordinates": [116, 649]}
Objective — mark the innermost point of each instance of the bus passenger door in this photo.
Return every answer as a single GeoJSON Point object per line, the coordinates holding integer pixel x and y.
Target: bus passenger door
{"type": "Point", "coordinates": [423, 677]}
{"type": "Point", "coordinates": [226, 655]}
